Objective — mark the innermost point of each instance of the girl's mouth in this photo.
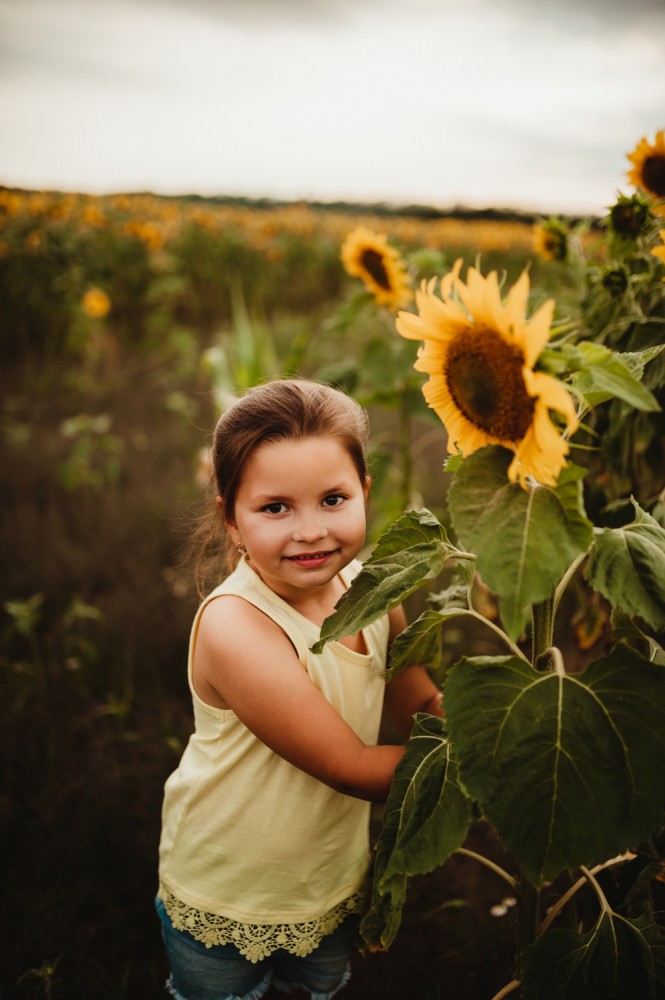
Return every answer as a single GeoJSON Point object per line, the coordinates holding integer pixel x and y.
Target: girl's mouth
{"type": "Point", "coordinates": [310, 558]}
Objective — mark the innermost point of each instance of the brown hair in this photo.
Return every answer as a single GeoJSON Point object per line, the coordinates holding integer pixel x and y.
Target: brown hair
{"type": "Point", "coordinates": [284, 409]}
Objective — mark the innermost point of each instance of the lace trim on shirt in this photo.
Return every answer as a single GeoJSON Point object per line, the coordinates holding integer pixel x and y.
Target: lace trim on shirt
{"type": "Point", "coordinates": [258, 941]}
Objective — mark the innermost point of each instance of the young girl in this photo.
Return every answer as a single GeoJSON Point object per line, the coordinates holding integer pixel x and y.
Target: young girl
{"type": "Point", "coordinates": [264, 850]}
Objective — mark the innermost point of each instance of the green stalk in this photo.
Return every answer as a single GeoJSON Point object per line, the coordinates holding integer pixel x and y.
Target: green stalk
{"type": "Point", "coordinates": [542, 620]}
{"type": "Point", "coordinates": [527, 919]}
{"type": "Point", "coordinates": [542, 615]}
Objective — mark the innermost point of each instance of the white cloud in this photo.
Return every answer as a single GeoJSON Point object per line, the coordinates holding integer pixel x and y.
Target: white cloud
{"type": "Point", "coordinates": [434, 103]}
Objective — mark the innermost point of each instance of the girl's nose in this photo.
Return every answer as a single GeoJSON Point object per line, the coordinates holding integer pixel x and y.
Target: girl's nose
{"type": "Point", "coordinates": [309, 529]}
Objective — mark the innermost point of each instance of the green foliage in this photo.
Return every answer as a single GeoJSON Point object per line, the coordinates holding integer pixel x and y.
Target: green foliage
{"type": "Point", "coordinates": [95, 456]}
{"type": "Point", "coordinates": [627, 565]}
{"type": "Point", "coordinates": [525, 539]}
{"type": "Point", "coordinates": [604, 374]}
{"type": "Point", "coordinates": [412, 551]}
{"type": "Point", "coordinates": [566, 767]}
{"type": "Point", "coordinates": [561, 754]}
{"type": "Point", "coordinates": [618, 958]}
{"type": "Point", "coordinates": [426, 819]}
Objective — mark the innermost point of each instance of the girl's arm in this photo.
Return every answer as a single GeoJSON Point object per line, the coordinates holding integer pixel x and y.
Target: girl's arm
{"type": "Point", "coordinates": [412, 690]}
{"type": "Point", "coordinates": [245, 662]}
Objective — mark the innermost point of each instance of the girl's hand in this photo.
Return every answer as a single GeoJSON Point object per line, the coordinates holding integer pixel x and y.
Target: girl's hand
{"type": "Point", "coordinates": [412, 690]}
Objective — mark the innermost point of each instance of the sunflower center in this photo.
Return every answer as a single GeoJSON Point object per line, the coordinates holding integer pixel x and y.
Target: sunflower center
{"type": "Point", "coordinates": [484, 377]}
{"type": "Point", "coordinates": [372, 261]}
{"type": "Point", "coordinates": [653, 173]}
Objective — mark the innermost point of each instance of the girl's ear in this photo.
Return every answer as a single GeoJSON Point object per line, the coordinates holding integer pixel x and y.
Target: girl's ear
{"type": "Point", "coordinates": [229, 523]}
{"type": "Point", "coordinates": [366, 487]}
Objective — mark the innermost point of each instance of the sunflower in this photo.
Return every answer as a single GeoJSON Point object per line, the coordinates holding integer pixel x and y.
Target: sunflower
{"type": "Point", "coordinates": [479, 353]}
{"type": "Point", "coordinates": [648, 171]}
{"type": "Point", "coordinates": [368, 256]}
{"type": "Point", "coordinates": [96, 303]}
{"type": "Point", "coordinates": [630, 216]}
{"type": "Point", "coordinates": [550, 239]}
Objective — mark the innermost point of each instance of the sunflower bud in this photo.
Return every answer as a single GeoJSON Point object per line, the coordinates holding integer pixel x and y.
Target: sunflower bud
{"type": "Point", "coordinates": [630, 217]}
{"type": "Point", "coordinates": [551, 239]}
{"type": "Point", "coordinates": [615, 281]}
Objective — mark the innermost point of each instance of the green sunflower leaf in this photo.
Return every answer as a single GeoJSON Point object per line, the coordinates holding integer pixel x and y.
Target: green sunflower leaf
{"type": "Point", "coordinates": [605, 375]}
{"type": "Point", "coordinates": [420, 642]}
{"type": "Point", "coordinates": [525, 539]}
{"type": "Point", "coordinates": [458, 592]}
{"type": "Point", "coordinates": [627, 566]}
{"type": "Point", "coordinates": [618, 959]}
{"type": "Point", "coordinates": [567, 767]}
{"type": "Point", "coordinates": [426, 819]}
{"type": "Point", "coordinates": [623, 627]}
{"type": "Point", "coordinates": [413, 550]}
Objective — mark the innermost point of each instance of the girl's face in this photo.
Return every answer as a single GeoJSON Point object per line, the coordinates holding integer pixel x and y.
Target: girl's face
{"type": "Point", "coordinates": [300, 513]}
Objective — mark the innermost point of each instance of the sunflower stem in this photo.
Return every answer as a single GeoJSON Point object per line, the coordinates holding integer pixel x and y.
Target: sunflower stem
{"type": "Point", "coordinates": [542, 615]}
{"type": "Point", "coordinates": [565, 580]}
{"type": "Point", "coordinates": [542, 618]}
{"type": "Point", "coordinates": [497, 869]}
{"type": "Point", "coordinates": [554, 911]}
{"type": "Point", "coordinates": [527, 920]}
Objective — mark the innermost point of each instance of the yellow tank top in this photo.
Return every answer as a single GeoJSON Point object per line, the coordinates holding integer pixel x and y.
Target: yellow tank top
{"type": "Point", "coordinates": [253, 851]}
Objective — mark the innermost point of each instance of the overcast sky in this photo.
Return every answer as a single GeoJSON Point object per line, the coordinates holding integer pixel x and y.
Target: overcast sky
{"type": "Point", "coordinates": [500, 103]}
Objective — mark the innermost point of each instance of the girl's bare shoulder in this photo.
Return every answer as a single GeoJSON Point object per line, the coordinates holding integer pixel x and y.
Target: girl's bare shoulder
{"type": "Point", "coordinates": [228, 621]}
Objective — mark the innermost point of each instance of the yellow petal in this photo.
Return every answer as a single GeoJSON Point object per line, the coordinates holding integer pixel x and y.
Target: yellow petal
{"type": "Point", "coordinates": [536, 332]}
{"type": "Point", "coordinates": [410, 326]}
{"type": "Point", "coordinates": [450, 279]}
{"type": "Point", "coordinates": [517, 298]}
{"type": "Point", "coordinates": [481, 297]}
{"type": "Point", "coordinates": [553, 394]}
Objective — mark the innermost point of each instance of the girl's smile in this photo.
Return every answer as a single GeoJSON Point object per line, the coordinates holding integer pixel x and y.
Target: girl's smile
{"type": "Point", "coordinates": [299, 524]}
{"type": "Point", "coordinates": [311, 559]}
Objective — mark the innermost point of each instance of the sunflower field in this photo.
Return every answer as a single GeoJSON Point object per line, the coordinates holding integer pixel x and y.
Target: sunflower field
{"type": "Point", "coordinates": [514, 372]}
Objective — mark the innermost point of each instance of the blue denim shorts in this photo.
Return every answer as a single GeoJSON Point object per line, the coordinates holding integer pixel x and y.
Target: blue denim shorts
{"type": "Point", "coordinates": [222, 973]}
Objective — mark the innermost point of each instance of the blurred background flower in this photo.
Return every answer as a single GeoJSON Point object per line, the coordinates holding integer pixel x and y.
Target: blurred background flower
{"type": "Point", "coordinates": [95, 303]}
{"type": "Point", "coordinates": [648, 172]}
{"type": "Point", "coordinates": [368, 256]}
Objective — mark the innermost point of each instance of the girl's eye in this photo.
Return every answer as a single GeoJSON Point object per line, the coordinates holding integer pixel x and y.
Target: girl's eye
{"type": "Point", "coordinates": [334, 500]}
{"type": "Point", "coordinates": [274, 508]}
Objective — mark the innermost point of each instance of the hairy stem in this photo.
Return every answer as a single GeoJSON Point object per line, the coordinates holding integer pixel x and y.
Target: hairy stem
{"type": "Point", "coordinates": [507, 989]}
{"type": "Point", "coordinates": [602, 899]}
{"type": "Point", "coordinates": [527, 919]}
{"type": "Point", "coordinates": [497, 869]}
{"type": "Point", "coordinates": [542, 617]}
{"type": "Point", "coordinates": [556, 659]}
{"type": "Point", "coordinates": [565, 580]}
{"type": "Point", "coordinates": [568, 895]}
{"type": "Point", "coordinates": [495, 628]}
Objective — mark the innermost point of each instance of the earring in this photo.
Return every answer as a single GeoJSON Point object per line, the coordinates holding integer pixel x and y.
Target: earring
{"type": "Point", "coordinates": [241, 548]}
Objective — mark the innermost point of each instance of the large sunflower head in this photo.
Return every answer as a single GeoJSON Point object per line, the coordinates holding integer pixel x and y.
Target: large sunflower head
{"type": "Point", "coordinates": [479, 352]}
{"type": "Point", "coordinates": [648, 171]}
{"type": "Point", "coordinates": [368, 256]}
